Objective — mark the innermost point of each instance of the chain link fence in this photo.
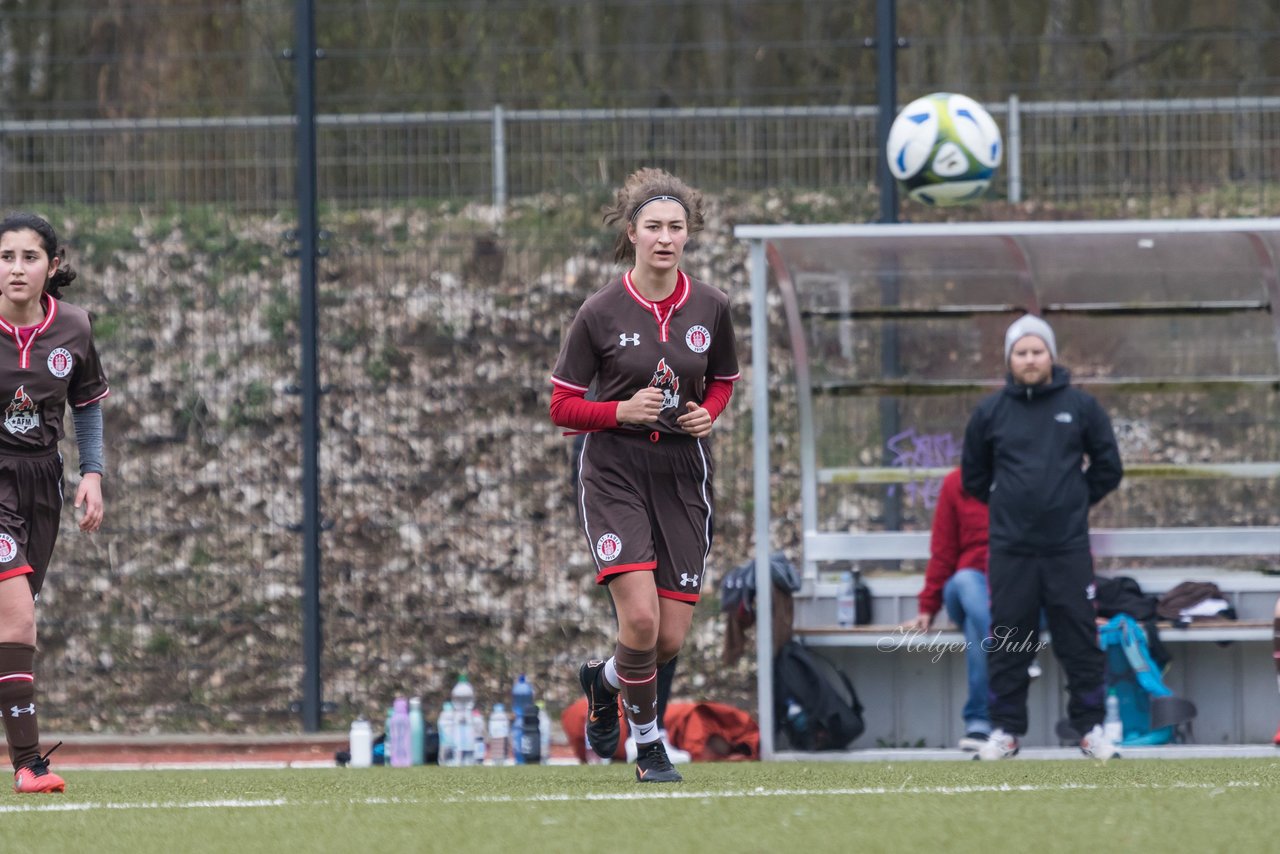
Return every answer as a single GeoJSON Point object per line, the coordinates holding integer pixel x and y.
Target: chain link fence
{"type": "Point", "coordinates": [457, 247]}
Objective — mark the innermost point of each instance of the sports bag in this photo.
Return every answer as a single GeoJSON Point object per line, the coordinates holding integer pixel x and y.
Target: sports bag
{"type": "Point", "coordinates": [1149, 711]}
{"type": "Point", "coordinates": [815, 705]}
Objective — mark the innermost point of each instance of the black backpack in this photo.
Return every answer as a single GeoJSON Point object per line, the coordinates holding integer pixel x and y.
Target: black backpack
{"type": "Point", "coordinates": [815, 705]}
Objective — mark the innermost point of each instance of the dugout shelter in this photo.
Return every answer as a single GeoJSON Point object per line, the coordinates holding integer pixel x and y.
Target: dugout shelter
{"type": "Point", "coordinates": [887, 336]}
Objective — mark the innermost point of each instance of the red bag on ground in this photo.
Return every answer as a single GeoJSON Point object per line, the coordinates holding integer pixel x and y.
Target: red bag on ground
{"type": "Point", "coordinates": [713, 731]}
{"type": "Point", "coordinates": [709, 731]}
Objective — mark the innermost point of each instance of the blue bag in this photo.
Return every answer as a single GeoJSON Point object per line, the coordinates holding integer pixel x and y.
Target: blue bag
{"type": "Point", "coordinates": [1150, 712]}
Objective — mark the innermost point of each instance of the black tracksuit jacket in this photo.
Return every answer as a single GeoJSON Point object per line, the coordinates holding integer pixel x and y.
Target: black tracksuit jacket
{"type": "Point", "coordinates": [1024, 448]}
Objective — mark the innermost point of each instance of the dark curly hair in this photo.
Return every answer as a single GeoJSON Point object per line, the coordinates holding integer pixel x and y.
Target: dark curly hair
{"type": "Point", "coordinates": [640, 186]}
{"type": "Point", "coordinates": [64, 275]}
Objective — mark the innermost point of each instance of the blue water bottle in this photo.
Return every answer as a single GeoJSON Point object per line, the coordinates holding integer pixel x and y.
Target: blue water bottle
{"type": "Point", "coordinates": [521, 698]}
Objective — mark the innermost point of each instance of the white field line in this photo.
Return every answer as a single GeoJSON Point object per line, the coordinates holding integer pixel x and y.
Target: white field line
{"type": "Point", "coordinates": [675, 794]}
{"type": "Point", "coordinates": [142, 805]}
{"type": "Point", "coordinates": [238, 765]}
{"type": "Point", "coordinates": [665, 794]}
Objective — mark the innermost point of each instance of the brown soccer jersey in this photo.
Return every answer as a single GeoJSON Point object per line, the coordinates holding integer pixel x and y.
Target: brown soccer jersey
{"type": "Point", "coordinates": [57, 365]}
{"type": "Point", "coordinates": [625, 343]}
{"type": "Point", "coordinates": [645, 492]}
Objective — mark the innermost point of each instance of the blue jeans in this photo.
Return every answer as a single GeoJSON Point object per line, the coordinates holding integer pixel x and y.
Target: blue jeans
{"type": "Point", "coordinates": [968, 605]}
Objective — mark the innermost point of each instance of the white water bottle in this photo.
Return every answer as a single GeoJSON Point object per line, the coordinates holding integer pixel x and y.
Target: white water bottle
{"type": "Point", "coordinates": [845, 601]}
{"type": "Point", "coordinates": [499, 751]}
{"type": "Point", "coordinates": [479, 735]}
{"type": "Point", "coordinates": [544, 732]}
{"type": "Point", "coordinates": [1112, 725]}
{"type": "Point", "coordinates": [361, 743]}
{"type": "Point", "coordinates": [464, 700]}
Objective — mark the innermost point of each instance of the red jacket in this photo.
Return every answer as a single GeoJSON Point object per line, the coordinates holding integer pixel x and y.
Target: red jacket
{"type": "Point", "coordinates": [958, 540]}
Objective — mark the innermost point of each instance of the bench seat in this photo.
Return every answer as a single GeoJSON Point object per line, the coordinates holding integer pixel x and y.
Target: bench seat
{"type": "Point", "coordinates": [887, 638]}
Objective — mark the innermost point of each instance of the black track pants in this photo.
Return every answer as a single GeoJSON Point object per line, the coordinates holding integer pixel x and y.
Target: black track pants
{"type": "Point", "coordinates": [1061, 585]}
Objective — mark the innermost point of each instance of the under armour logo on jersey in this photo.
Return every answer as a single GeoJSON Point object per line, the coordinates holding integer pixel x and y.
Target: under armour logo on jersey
{"type": "Point", "coordinates": [15, 711]}
{"type": "Point", "coordinates": [687, 580]}
{"type": "Point", "coordinates": [633, 339]}
{"type": "Point", "coordinates": [1063, 418]}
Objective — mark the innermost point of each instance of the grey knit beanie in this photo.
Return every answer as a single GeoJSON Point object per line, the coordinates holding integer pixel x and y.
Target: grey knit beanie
{"type": "Point", "coordinates": [1029, 324]}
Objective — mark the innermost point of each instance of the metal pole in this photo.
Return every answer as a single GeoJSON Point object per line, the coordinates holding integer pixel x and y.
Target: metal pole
{"type": "Point", "coordinates": [308, 320]}
{"type": "Point", "coordinates": [763, 508]}
{"type": "Point", "coordinates": [1013, 150]}
{"type": "Point", "coordinates": [887, 91]}
{"type": "Point", "coordinates": [887, 97]}
{"type": "Point", "coordinates": [499, 161]}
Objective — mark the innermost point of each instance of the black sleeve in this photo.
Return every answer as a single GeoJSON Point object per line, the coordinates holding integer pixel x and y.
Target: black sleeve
{"type": "Point", "coordinates": [1105, 469]}
{"type": "Point", "coordinates": [976, 457]}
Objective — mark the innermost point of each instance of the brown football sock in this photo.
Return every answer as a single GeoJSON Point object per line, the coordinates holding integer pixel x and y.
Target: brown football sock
{"type": "Point", "coordinates": [18, 702]}
{"type": "Point", "coordinates": [638, 673]}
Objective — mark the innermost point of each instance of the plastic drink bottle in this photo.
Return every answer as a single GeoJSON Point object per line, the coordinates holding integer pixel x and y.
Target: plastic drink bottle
{"type": "Point", "coordinates": [399, 735]}
{"type": "Point", "coordinates": [361, 743]}
{"type": "Point", "coordinates": [521, 697]}
{"type": "Point", "coordinates": [845, 605]}
{"type": "Point", "coordinates": [446, 734]}
{"type": "Point", "coordinates": [417, 732]}
{"type": "Point", "coordinates": [464, 700]}
{"type": "Point", "coordinates": [499, 736]}
{"type": "Point", "coordinates": [1112, 725]}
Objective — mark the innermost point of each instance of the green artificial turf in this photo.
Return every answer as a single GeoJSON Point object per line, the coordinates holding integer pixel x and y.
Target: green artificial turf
{"type": "Point", "coordinates": [1017, 805]}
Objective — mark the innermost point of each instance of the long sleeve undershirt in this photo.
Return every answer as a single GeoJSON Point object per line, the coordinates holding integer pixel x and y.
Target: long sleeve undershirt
{"type": "Point", "coordinates": [571, 409]}
{"type": "Point", "coordinates": [88, 423]}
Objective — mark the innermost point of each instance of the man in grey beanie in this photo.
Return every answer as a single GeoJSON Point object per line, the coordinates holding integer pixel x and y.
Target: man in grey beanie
{"type": "Point", "coordinates": [1040, 452]}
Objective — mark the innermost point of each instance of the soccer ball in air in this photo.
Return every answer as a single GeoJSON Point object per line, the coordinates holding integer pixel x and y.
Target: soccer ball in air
{"type": "Point", "coordinates": [944, 149]}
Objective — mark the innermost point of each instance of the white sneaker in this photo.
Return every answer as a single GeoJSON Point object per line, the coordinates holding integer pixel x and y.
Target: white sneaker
{"type": "Point", "coordinates": [1096, 744]}
{"type": "Point", "coordinates": [675, 754]}
{"type": "Point", "coordinates": [973, 740]}
{"type": "Point", "coordinates": [999, 745]}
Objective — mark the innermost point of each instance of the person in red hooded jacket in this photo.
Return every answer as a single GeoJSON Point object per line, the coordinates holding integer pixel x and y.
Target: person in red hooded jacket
{"type": "Point", "coordinates": [956, 578]}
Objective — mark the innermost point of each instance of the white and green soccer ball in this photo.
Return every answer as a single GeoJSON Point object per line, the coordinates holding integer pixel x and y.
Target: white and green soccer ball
{"type": "Point", "coordinates": [944, 149]}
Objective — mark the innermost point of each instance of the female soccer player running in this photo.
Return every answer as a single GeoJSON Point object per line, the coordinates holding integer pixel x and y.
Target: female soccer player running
{"type": "Point", "coordinates": [47, 360]}
{"type": "Point", "coordinates": [659, 348]}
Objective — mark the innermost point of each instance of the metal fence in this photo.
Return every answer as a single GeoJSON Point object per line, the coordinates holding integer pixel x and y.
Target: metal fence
{"type": "Point", "coordinates": [459, 246]}
{"type": "Point", "coordinates": [1136, 152]}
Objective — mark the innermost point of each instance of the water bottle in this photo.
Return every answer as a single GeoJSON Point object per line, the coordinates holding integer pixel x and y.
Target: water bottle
{"type": "Point", "coordinates": [464, 701]}
{"type": "Point", "coordinates": [446, 734]}
{"type": "Point", "coordinates": [797, 722]}
{"type": "Point", "coordinates": [1112, 725]}
{"type": "Point", "coordinates": [845, 601]}
{"type": "Point", "coordinates": [399, 735]}
{"type": "Point", "coordinates": [530, 737]}
{"type": "Point", "coordinates": [465, 746]}
{"type": "Point", "coordinates": [417, 732]}
{"type": "Point", "coordinates": [861, 606]}
{"type": "Point", "coordinates": [544, 730]}
{"type": "Point", "coordinates": [480, 736]}
{"type": "Point", "coordinates": [386, 739]}
{"type": "Point", "coordinates": [361, 743]}
{"type": "Point", "coordinates": [521, 698]}
{"type": "Point", "coordinates": [499, 750]}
